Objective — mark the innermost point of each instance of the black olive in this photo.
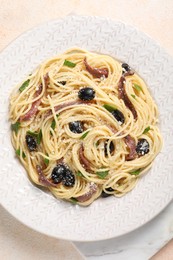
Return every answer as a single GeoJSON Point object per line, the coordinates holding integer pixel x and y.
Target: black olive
{"type": "Point", "coordinates": [61, 173]}
{"type": "Point", "coordinates": [76, 127]}
{"type": "Point", "coordinates": [142, 147]}
{"type": "Point", "coordinates": [69, 179]}
{"type": "Point", "coordinates": [86, 94]}
{"type": "Point", "coordinates": [125, 67]}
{"type": "Point", "coordinates": [31, 143]}
{"type": "Point", "coordinates": [62, 82]}
{"type": "Point", "coordinates": [105, 195]}
{"type": "Point", "coordinates": [111, 147]}
{"type": "Point", "coordinates": [118, 116]}
{"type": "Point", "coordinates": [58, 173]}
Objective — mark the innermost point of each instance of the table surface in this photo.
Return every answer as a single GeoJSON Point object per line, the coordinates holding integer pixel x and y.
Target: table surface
{"type": "Point", "coordinates": [154, 17]}
{"type": "Point", "coordinates": [140, 244]}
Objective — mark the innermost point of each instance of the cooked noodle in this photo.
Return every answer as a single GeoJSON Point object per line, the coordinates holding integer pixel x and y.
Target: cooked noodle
{"type": "Point", "coordinates": [53, 88]}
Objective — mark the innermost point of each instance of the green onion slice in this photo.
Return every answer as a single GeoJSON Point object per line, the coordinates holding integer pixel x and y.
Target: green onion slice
{"type": "Point", "coordinates": [69, 64]}
{"type": "Point", "coordinates": [84, 135]}
{"type": "Point", "coordinates": [137, 87]}
{"type": "Point", "coordinates": [53, 124]}
{"type": "Point", "coordinates": [79, 174]}
{"type": "Point", "coordinates": [146, 130]}
{"type": "Point", "coordinates": [136, 172]}
{"type": "Point", "coordinates": [24, 85]}
{"type": "Point", "coordinates": [109, 107]}
{"type": "Point", "coordinates": [46, 161]}
{"type": "Point", "coordinates": [18, 153]}
{"type": "Point", "coordinates": [73, 200]}
{"type": "Point", "coordinates": [15, 127]}
{"type": "Point", "coordinates": [102, 174]}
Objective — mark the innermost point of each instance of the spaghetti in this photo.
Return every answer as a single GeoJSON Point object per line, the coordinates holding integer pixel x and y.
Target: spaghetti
{"type": "Point", "coordinates": [84, 125]}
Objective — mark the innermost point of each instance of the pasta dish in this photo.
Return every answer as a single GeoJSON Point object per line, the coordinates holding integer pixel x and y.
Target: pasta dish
{"type": "Point", "coordinates": [84, 125]}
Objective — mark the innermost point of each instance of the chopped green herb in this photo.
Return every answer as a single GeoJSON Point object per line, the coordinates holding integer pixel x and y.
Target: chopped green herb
{"type": "Point", "coordinates": [146, 130]}
{"type": "Point", "coordinates": [79, 174]}
{"type": "Point", "coordinates": [18, 153]}
{"type": "Point", "coordinates": [136, 172]}
{"type": "Point", "coordinates": [69, 64]}
{"type": "Point", "coordinates": [34, 134]}
{"type": "Point", "coordinates": [133, 96]}
{"type": "Point", "coordinates": [37, 135]}
{"type": "Point", "coordinates": [73, 200]}
{"type": "Point", "coordinates": [102, 174]}
{"type": "Point", "coordinates": [97, 144]}
{"type": "Point", "coordinates": [53, 124]}
{"type": "Point", "coordinates": [46, 161]}
{"type": "Point", "coordinates": [15, 127]}
{"type": "Point", "coordinates": [84, 135]}
{"type": "Point", "coordinates": [24, 85]}
{"type": "Point", "coordinates": [137, 87]}
{"type": "Point", "coordinates": [109, 107]}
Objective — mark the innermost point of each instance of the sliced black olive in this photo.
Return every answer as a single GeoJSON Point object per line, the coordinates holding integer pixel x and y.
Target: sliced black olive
{"type": "Point", "coordinates": [86, 94]}
{"type": "Point", "coordinates": [111, 147]}
{"type": "Point", "coordinates": [142, 147]}
{"type": "Point", "coordinates": [31, 143]}
{"type": "Point", "coordinates": [118, 116]}
{"type": "Point", "coordinates": [105, 195]}
{"type": "Point", "coordinates": [125, 67]}
{"type": "Point", "coordinates": [58, 173]}
{"type": "Point", "coordinates": [62, 82]}
{"type": "Point", "coordinates": [69, 179]}
{"type": "Point", "coordinates": [76, 127]}
{"type": "Point", "coordinates": [61, 173]}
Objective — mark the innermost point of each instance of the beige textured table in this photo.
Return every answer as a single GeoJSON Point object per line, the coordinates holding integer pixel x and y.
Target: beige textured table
{"type": "Point", "coordinates": [20, 242]}
{"type": "Point", "coordinates": [151, 16]}
{"type": "Point", "coordinates": [154, 17]}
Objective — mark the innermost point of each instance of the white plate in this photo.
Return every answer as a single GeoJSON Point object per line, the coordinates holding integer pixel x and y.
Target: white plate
{"type": "Point", "coordinates": [109, 217]}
